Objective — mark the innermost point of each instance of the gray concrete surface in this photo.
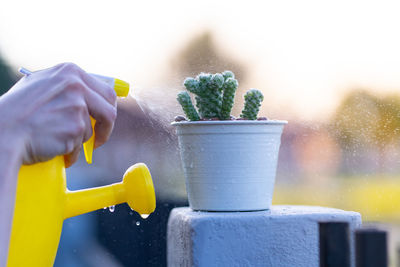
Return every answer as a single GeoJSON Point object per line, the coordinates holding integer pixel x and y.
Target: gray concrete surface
{"type": "Point", "coordinates": [284, 236]}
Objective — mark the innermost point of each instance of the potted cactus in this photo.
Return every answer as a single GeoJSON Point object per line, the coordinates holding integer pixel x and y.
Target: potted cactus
{"type": "Point", "coordinates": [229, 164]}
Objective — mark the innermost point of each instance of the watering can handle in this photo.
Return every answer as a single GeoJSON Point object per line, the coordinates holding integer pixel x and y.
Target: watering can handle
{"type": "Point", "coordinates": [121, 88]}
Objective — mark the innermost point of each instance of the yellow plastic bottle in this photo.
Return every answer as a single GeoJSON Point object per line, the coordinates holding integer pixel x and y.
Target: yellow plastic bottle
{"type": "Point", "coordinates": [43, 202]}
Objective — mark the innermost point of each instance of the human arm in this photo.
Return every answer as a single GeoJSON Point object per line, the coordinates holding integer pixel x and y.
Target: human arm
{"type": "Point", "coordinates": [9, 166]}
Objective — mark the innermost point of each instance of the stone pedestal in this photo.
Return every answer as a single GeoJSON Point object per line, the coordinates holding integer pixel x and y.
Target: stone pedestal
{"type": "Point", "coordinates": [283, 236]}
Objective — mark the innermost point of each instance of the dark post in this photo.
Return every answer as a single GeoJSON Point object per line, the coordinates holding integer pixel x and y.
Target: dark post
{"type": "Point", "coordinates": [334, 245]}
{"type": "Point", "coordinates": [371, 248]}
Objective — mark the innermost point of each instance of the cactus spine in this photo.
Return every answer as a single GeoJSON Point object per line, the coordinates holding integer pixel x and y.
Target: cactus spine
{"type": "Point", "coordinates": [252, 103]}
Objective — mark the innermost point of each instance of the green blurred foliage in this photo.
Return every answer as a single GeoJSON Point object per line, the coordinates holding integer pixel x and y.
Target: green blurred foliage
{"type": "Point", "coordinates": [7, 77]}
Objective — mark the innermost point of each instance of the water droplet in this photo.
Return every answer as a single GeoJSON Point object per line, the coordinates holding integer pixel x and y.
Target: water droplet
{"type": "Point", "coordinates": [137, 223]}
{"type": "Point", "coordinates": [131, 213]}
{"type": "Point", "coordinates": [104, 208]}
{"type": "Point", "coordinates": [111, 208]}
{"type": "Point", "coordinates": [144, 216]}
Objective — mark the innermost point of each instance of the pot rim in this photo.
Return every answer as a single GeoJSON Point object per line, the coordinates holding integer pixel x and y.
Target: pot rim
{"type": "Point", "coordinates": [230, 122]}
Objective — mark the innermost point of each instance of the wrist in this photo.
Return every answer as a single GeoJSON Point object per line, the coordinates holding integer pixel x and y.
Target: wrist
{"type": "Point", "coordinates": [12, 137]}
{"type": "Point", "coordinates": [11, 150]}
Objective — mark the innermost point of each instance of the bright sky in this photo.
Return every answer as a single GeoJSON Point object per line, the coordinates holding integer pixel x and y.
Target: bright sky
{"type": "Point", "coordinates": [303, 54]}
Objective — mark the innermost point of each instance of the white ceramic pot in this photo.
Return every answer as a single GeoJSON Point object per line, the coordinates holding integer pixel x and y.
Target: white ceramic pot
{"type": "Point", "coordinates": [229, 165]}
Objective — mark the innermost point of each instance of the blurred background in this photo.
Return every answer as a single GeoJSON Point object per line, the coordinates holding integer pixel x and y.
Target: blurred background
{"type": "Point", "coordinates": [331, 69]}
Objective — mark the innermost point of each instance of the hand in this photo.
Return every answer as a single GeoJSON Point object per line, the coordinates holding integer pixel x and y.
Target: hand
{"type": "Point", "coordinates": [47, 113]}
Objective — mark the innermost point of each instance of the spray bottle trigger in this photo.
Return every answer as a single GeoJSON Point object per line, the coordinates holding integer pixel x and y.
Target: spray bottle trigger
{"type": "Point", "coordinates": [88, 146]}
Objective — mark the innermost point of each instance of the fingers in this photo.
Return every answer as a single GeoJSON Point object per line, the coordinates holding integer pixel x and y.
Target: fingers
{"type": "Point", "coordinates": [95, 84]}
{"type": "Point", "coordinates": [100, 87]}
{"type": "Point", "coordinates": [79, 136]}
{"type": "Point", "coordinates": [88, 126]}
{"type": "Point", "coordinates": [101, 101]}
{"type": "Point", "coordinates": [103, 133]}
{"type": "Point", "coordinates": [72, 157]}
{"type": "Point", "coordinates": [57, 106]}
{"type": "Point", "coordinates": [104, 113]}
{"type": "Point", "coordinates": [78, 127]}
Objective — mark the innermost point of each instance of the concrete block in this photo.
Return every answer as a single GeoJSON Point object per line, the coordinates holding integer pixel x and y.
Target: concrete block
{"type": "Point", "coordinates": [282, 236]}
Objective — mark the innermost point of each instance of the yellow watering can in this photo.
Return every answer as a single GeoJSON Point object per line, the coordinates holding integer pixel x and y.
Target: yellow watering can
{"type": "Point", "coordinates": [43, 202]}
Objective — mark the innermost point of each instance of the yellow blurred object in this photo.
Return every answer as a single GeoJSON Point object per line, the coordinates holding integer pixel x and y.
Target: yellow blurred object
{"type": "Point", "coordinates": [43, 202]}
{"type": "Point", "coordinates": [377, 198]}
{"type": "Point", "coordinates": [121, 88]}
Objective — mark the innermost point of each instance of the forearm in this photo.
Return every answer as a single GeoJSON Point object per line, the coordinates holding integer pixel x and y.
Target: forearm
{"type": "Point", "coordinates": [10, 163]}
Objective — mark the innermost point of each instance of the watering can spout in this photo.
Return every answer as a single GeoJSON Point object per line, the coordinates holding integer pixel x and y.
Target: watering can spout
{"type": "Point", "coordinates": [136, 189]}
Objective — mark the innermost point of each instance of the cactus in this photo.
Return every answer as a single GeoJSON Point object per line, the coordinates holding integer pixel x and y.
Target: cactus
{"type": "Point", "coordinates": [228, 74]}
{"type": "Point", "coordinates": [228, 97]}
{"type": "Point", "coordinates": [187, 106]}
{"type": "Point", "coordinates": [217, 82]}
{"type": "Point", "coordinates": [209, 98]}
{"type": "Point", "coordinates": [252, 103]}
{"type": "Point", "coordinates": [214, 95]}
{"type": "Point", "coordinates": [204, 108]}
{"type": "Point", "coordinates": [192, 85]}
{"type": "Point", "coordinates": [208, 91]}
